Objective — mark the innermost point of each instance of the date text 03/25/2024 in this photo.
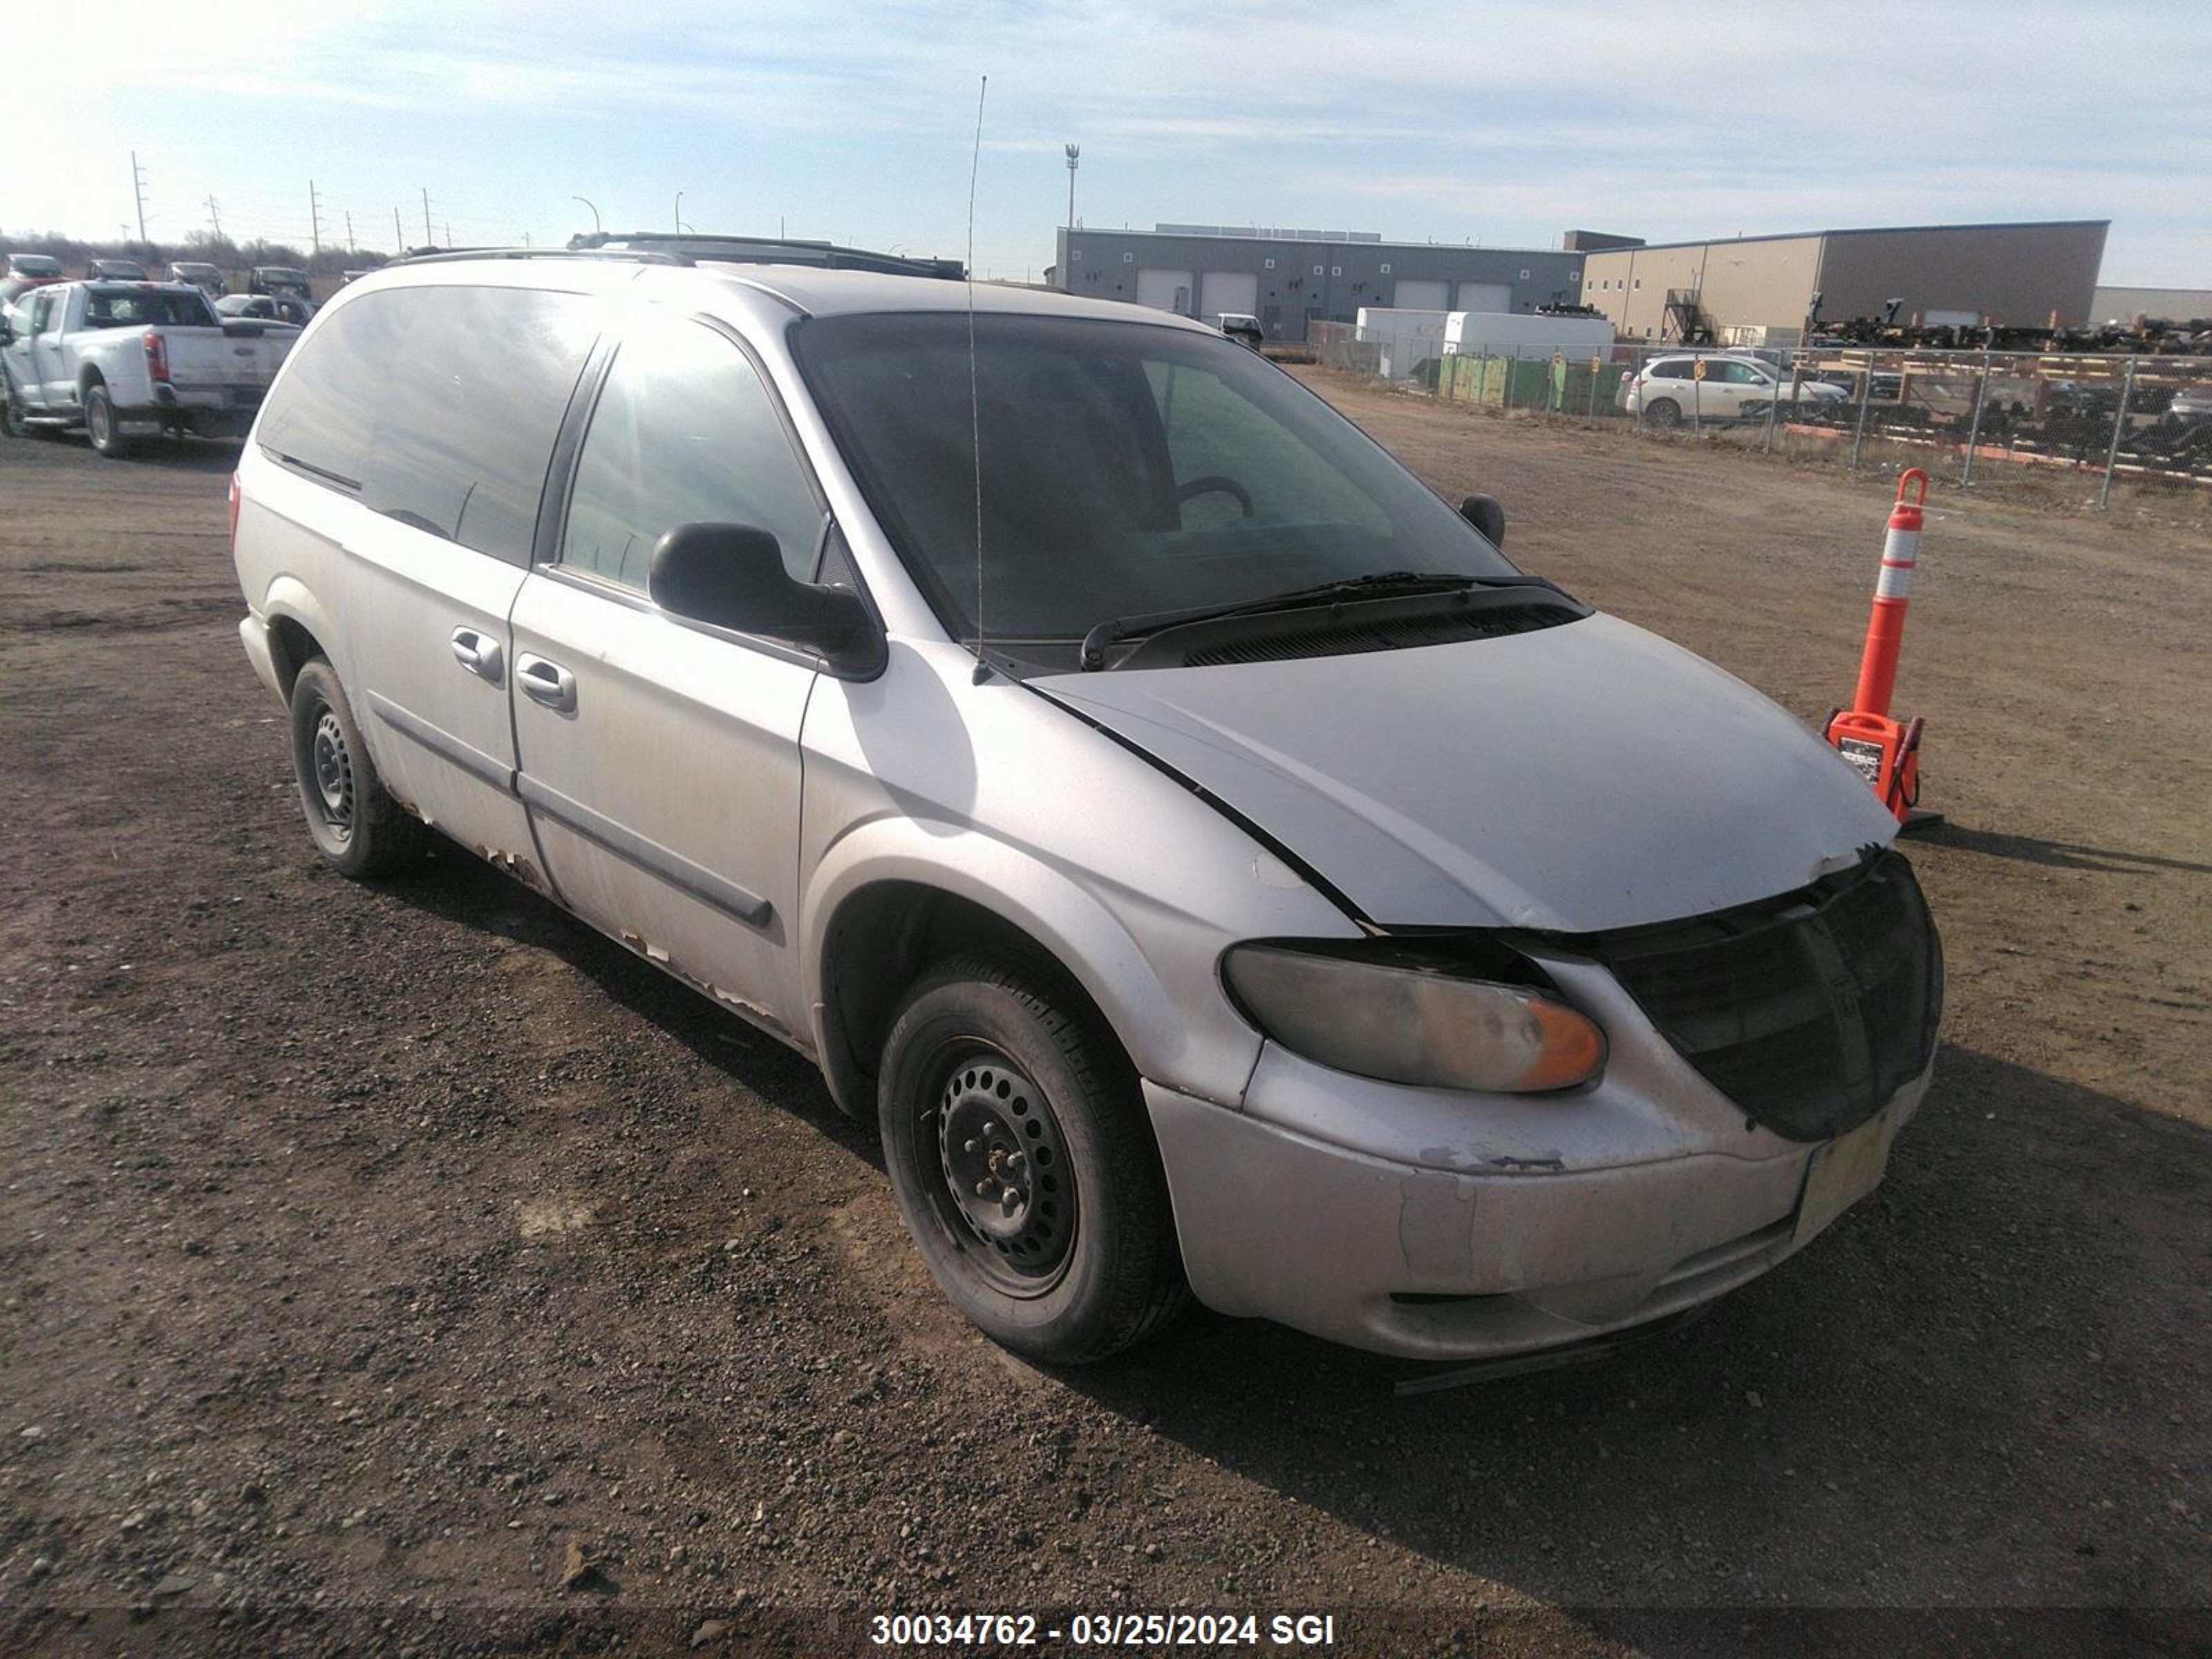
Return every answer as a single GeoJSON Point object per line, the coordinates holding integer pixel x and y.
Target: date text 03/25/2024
{"type": "Point", "coordinates": [1104, 1630]}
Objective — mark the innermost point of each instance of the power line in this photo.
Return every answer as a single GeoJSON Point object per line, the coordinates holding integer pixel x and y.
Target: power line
{"type": "Point", "coordinates": [138, 192]}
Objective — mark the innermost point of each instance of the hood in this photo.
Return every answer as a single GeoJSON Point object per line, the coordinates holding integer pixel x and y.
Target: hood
{"type": "Point", "coordinates": [1578, 778]}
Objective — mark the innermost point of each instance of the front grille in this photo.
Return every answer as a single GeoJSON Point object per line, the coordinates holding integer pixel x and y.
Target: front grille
{"type": "Point", "coordinates": [1350, 637]}
{"type": "Point", "coordinates": [1808, 1011]}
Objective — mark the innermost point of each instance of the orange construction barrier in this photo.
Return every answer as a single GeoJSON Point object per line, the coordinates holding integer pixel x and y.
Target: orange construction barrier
{"type": "Point", "coordinates": [1885, 750]}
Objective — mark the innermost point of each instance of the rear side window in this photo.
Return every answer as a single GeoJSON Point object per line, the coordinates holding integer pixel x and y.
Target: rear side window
{"type": "Point", "coordinates": [470, 412]}
{"type": "Point", "coordinates": [683, 433]}
{"type": "Point", "coordinates": [129, 308]}
{"type": "Point", "coordinates": [321, 414]}
{"type": "Point", "coordinates": [438, 405]}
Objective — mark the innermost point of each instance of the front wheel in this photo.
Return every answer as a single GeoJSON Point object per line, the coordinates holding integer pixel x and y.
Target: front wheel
{"type": "Point", "coordinates": [1023, 1164]}
{"type": "Point", "coordinates": [1662, 412]}
{"type": "Point", "coordinates": [358, 827]}
{"type": "Point", "coordinates": [13, 419]}
{"type": "Point", "coordinates": [101, 424]}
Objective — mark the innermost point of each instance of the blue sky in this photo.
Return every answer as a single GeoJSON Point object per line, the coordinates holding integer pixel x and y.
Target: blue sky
{"type": "Point", "coordinates": [1502, 123]}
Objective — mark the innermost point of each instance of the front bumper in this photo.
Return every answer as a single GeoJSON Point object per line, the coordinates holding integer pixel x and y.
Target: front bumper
{"type": "Point", "coordinates": [1429, 1226]}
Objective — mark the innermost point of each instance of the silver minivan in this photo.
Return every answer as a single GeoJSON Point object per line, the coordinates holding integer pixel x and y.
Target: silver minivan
{"type": "Point", "coordinates": [1218, 871]}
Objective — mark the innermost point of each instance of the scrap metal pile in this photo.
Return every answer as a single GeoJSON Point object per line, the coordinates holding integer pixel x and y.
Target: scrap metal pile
{"type": "Point", "coordinates": [2150, 337]}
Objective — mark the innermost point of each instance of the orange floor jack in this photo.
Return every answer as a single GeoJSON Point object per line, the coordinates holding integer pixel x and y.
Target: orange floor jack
{"type": "Point", "coordinates": [1888, 751]}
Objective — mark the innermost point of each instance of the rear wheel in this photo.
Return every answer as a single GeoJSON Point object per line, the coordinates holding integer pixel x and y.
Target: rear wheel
{"type": "Point", "coordinates": [13, 420]}
{"type": "Point", "coordinates": [1662, 411]}
{"type": "Point", "coordinates": [357, 826]}
{"type": "Point", "coordinates": [101, 424]}
{"type": "Point", "coordinates": [1023, 1164]}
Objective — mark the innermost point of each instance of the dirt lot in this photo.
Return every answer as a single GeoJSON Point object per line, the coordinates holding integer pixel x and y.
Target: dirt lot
{"type": "Point", "coordinates": [365, 1250]}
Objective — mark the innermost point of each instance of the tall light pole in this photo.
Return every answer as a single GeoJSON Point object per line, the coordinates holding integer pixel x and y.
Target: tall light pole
{"type": "Point", "coordinates": [595, 213]}
{"type": "Point", "coordinates": [679, 213]}
{"type": "Point", "coordinates": [1074, 152]}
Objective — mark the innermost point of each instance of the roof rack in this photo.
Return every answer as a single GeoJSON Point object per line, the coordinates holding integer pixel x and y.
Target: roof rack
{"type": "Point", "coordinates": [691, 249]}
{"type": "Point", "coordinates": [431, 256]}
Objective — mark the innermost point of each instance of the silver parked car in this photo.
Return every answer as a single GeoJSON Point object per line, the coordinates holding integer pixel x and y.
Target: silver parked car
{"type": "Point", "coordinates": [1214, 865]}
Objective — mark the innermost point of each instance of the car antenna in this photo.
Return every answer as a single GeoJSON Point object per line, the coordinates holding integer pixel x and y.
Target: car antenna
{"type": "Point", "coordinates": [975, 397]}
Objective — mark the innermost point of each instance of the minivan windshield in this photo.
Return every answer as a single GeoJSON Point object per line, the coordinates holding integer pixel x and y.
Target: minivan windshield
{"type": "Point", "coordinates": [1126, 469]}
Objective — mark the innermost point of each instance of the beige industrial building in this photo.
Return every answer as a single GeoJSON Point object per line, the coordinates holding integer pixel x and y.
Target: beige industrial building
{"type": "Point", "coordinates": [1758, 290]}
{"type": "Point", "coordinates": [2124, 305]}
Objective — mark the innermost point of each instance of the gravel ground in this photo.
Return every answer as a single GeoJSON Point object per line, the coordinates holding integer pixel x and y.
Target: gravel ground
{"type": "Point", "coordinates": [409, 1269]}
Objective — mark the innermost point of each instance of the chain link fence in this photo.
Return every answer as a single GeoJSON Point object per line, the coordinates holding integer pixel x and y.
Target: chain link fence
{"type": "Point", "coordinates": [2089, 426]}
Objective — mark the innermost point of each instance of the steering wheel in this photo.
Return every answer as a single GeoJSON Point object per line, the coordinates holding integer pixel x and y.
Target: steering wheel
{"type": "Point", "coordinates": [1213, 483]}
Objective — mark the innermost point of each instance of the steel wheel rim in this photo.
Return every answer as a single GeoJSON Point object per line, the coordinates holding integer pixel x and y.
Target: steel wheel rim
{"type": "Point", "coordinates": [331, 763]}
{"type": "Point", "coordinates": [1002, 1180]}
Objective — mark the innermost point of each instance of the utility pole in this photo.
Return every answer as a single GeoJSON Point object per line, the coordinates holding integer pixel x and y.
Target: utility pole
{"type": "Point", "coordinates": [429, 235]}
{"type": "Point", "coordinates": [349, 231]}
{"type": "Point", "coordinates": [138, 192]}
{"type": "Point", "coordinates": [214, 216]}
{"type": "Point", "coordinates": [314, 218]}
{"type": "Point", "coordinates": [449, 233]}
{"type": "Point", "coordinates": [398, 235]}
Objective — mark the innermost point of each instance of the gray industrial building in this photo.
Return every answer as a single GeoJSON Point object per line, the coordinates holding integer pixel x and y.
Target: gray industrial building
{"type": "Point", "coordinates": [1289, 278]}
{"type": "Point", "coordinates": [1753, 290]}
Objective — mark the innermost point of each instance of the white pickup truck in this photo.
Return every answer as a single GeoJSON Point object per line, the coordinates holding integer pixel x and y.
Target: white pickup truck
{"type": "Point", "coordinates": [122, 358]}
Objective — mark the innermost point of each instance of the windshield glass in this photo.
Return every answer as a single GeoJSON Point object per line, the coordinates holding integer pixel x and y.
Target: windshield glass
{"type": "Point", "coordinates": [131, 307]}
{"type": "Point", "coordinates": [1126, 469]}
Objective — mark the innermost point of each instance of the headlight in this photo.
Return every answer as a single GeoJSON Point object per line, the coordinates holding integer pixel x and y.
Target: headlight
{"type": "Point", "coordinates": [1408, 1022]}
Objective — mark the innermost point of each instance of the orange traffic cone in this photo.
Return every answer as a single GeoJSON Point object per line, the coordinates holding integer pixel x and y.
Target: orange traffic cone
{"type": "Point", "coordinates": [1886, 751]}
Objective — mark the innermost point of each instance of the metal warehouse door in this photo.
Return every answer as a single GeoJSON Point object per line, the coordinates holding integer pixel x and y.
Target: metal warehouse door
{"type": "Point", "coordinates": [1166, 290]}
{"type": "Point", "coordinates": [1420, 296]}
{"type": "Point", "coordinates": [1485, 296]}
{"type": "Point", "coordinates": [1232, 290]}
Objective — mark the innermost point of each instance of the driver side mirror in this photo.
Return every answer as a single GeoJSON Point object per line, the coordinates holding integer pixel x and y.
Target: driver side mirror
{"type": "Point", "coordinates": [732, 576]}
{"type": "Point", "coordinates": [1486, 514]}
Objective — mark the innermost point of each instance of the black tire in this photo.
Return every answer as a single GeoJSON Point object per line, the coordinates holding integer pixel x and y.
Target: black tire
{"type": "Point", "coordinates": [101, 424]}
{"type": "Point", "coordinates": [357, 826]}
{"type": "Point", "coordinates": [1662, 412]}
{"type": "Point", "coordinates": [12, 419]}
{"type": "Point", "coordinates": [1074, 1258]}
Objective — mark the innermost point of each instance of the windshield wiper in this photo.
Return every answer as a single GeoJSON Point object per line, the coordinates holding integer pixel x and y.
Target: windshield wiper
{"type": "Point", "coordinates": [1380, 586]}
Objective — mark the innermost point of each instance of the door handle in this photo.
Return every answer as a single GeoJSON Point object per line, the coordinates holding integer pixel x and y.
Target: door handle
{"type": "Point", "coordinates": [547, 683]}
{"type": "Point", "coordinates": [477, 652]}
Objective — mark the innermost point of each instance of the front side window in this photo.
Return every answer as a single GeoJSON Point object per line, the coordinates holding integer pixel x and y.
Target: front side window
{"type": "Point", "coordinates": [1126, 469]}
{"type": "Point", "coordinates": [683, 432]}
